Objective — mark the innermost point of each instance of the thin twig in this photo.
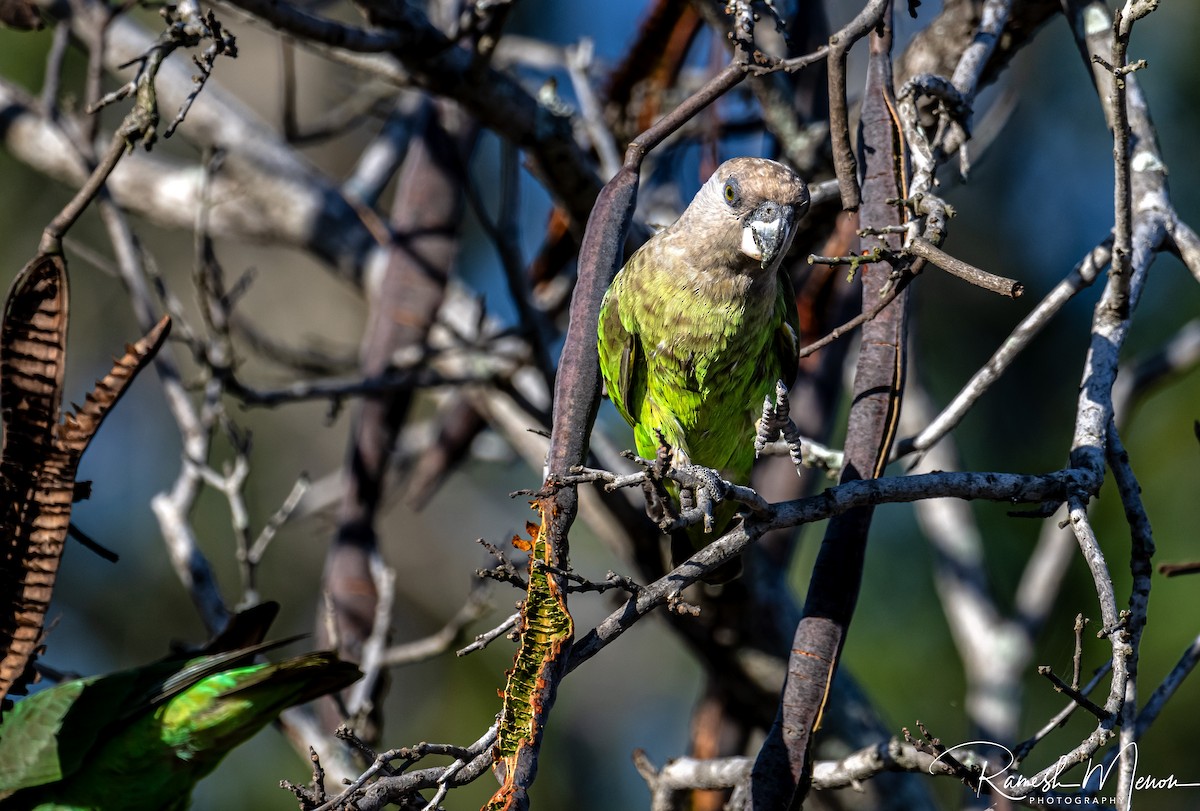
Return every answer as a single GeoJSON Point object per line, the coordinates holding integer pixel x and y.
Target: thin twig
{"type": "Point", "coordinates": [1122, 193]}
{"type": "Point", "coordinates": [1022, 750]}
{"type": "Point", "coordinates": [278, 518]}
{"type": "Point", "coordinates": [1077, 657]}
{"type": "Point", "coordinates": [1078, 279]}
{"type": "Point", "coordinates": [1009, 288]}
{"type": "Point", "coordinates": [858, 320]}
{"type": "Point", "coordinates": [441, 640]}
{"type": "Point", "coordinates": [1160, 696]}
{"type": "Point", "coordinates": [1074, 694]}
{"type": "Point", "coordinates": [62, 222]}
{"type": "Point", "coordinates": [484, 639]}
{"type": "Point", "coordinates": [1141, 554]}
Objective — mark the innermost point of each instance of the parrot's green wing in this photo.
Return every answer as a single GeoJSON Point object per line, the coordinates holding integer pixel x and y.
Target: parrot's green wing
{"type": "Point", "coordinates": [159, 757]}
{"type": "Point", "coordinates": [29, 739]}
{"type": "Point", "coordinates": [787, 331]}
{"type": "Point", "coordinates": [621, 360]}
{"type": "Point", "coordinates": [47, 736]}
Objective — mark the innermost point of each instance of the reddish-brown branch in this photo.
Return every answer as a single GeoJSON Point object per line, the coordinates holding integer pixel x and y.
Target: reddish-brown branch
{"type": "Point", "coordinates": [839, 112]}
{"type": "Point", "coordinates": [428, 211]}
{"type": "Point", "coordinates": [781, 776]}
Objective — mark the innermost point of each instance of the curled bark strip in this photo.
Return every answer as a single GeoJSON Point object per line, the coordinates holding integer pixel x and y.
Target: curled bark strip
{"type": "Point", "coordinates": [41, 454]}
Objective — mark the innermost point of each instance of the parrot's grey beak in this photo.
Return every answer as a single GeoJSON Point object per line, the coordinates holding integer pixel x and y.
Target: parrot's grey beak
{"type": "Point", "coordinates": [768, 232]}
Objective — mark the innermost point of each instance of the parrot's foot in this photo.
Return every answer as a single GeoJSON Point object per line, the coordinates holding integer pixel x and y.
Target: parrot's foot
{"type": "Point", "coordinates": [658, 502]}
{"type": "Point", "coordinates": [707, 505]}
{"type": "Point", "coordinates": [777, 422]}
{"type": "Point", "coordinates": [701, 521]}
{"type": "Point", "coordinates": [700, 488]}
{"type": "Point", "coordinates": [776, 425]}
{"type": "Point", "coordinates": [687, 499]}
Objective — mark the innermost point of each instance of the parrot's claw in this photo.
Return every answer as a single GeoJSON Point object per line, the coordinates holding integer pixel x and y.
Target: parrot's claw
{"type": "Point", "coordinates": [687, 499]}
{"type": "Point", "coordinates": [706, 507]}
{"type": "Point", "coordinates": [700, 489]}
{"type": "Point", "coordinates": [775, 419]}
{"type": "Point", "coordinates": [658, 503]}
{"type": "Point", "coordinates": [776, 422]}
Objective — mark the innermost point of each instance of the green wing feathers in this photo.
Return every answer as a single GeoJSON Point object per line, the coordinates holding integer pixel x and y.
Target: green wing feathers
{"type": "Point", "coordinates": [787, 333]}
{"type": "Point", "coordinates": [622, 362]}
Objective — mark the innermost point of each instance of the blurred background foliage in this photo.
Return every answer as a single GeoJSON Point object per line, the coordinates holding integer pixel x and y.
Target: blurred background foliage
{"type": "Point", "coordinates": [1037, 199]}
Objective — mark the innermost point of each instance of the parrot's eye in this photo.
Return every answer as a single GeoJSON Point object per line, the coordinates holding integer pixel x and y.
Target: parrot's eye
{"type": "Point", "coordinates": [731, 193]}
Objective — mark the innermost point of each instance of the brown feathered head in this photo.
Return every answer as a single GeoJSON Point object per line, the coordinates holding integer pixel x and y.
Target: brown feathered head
{"type": "Point", "coordinates": [746, 213]}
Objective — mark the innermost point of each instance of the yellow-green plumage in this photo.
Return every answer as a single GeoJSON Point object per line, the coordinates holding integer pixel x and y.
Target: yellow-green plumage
{"type": "Point", "coordinates": [699, 324]}
{"type": "Point", "coordinates": [139, 740]}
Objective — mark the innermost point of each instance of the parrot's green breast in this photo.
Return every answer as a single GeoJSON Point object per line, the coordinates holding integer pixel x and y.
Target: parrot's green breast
{"type": "Point", "coordinates": [695, 362]}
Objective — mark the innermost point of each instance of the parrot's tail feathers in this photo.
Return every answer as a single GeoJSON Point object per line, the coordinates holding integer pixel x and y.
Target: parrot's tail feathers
{"type": "Point", "coordinates": [300, 679]}
{"type": "Point", "coordinates": [685, 543]}
{"type": "Point", "coordinates": [202, 667]}
{"type": "Point", "coordinates": [245, 628]}
{"type": "Point", "coordinates": [230, 707]}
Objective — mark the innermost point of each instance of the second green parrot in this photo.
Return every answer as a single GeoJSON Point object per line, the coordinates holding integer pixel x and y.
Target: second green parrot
{"type": "Point", "coordinates": [699, 323]}
{"type": "Point", "coordinates": [139, 740]}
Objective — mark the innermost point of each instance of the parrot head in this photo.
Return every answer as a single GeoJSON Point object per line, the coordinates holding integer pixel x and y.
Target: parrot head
{"type": "Point", "coordinates": [747, 212]}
